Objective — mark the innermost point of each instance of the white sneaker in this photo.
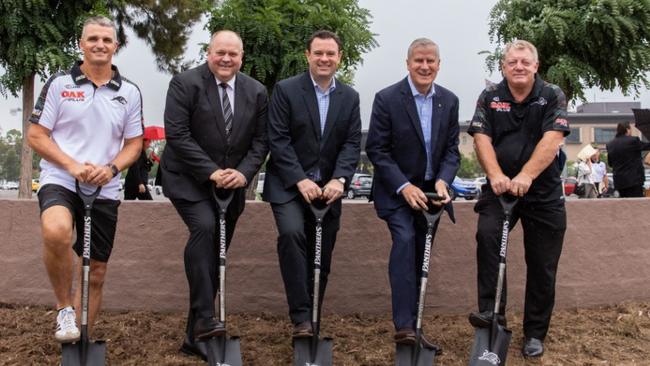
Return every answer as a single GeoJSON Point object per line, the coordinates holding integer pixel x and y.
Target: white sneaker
{"type": "Point", "coordinates": [66, 326]}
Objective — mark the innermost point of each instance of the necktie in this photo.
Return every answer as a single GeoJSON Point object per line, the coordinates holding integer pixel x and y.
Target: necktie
{"type": "Point", "coordinates": [227, 110]}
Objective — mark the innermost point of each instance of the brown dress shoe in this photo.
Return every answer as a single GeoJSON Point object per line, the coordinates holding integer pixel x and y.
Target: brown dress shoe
{"type": "Point", "coordinates": [405, 336]}
{"type": "Point", "coordinates": [302, 330]}
{"type": "Point", "coordinates": [205, 328]}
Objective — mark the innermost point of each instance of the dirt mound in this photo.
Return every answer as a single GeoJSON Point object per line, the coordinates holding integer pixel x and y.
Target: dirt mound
{"type": "Point", "coordinates": [617, 335]}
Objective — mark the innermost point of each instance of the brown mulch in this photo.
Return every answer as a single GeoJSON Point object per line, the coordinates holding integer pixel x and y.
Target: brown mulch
{"type": "Point", "coordinates": [615, 335]}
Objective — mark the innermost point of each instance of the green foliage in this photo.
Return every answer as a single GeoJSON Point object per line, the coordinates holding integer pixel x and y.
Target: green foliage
{"type": "Point", "coordinates": [164, 25]}
{"type": "Point", "coordinates": [10, 152]}
{"type": "Point", "coordinates": [275, 33]}
{"type": "Point", "coordinates": [469, 166]}
{"type": "Point", "coordinates": [581, 43]}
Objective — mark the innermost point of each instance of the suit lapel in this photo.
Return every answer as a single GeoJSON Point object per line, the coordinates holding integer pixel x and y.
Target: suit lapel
{"type": "Point", "coordinates": [436, 112]}
{"type": "Point", "coordinates": [212, 93]}
{"type": "Point", "coordinates": [312, 105]}
{"type": "Point", "coordinates": [411, 110]}
{"type": "Point", "coordinates": [336, 99]}
{"type": "Point", "coordinates": [240, 104]}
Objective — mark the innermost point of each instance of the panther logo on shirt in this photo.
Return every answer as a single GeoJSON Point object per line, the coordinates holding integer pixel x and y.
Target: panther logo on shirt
{"type": "Point", "coordinates": [120, 99]}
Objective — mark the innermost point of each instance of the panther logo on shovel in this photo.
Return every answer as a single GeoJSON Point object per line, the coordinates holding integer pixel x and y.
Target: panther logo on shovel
{"type": "Point", "coordinates": [490, 357]}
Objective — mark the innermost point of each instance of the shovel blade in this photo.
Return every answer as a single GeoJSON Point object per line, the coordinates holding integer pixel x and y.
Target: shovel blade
{"type": "Point", "coordinates": [223, 351]}
{"type": "Point", "coordinates": [485, 354]}
{"type": "Point", "coordinates": [407, 355]}
{"type": "Point", "coordinates": [95, 356]}
{"type": "Point", "coordinates": [302, 352]}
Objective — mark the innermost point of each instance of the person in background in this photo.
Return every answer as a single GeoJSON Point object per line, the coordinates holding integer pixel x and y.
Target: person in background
{"type": "Point", "coordinates": [599, 174]}
{"type": "Point", "coordinates": [624, 156]}
{"type": "Point", "coordinates": [135, 182]}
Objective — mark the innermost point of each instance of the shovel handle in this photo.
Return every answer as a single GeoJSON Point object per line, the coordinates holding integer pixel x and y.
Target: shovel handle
{"type": "Point", "coordinates": [318, 210]}
{"type": "Point", "coordinates": [87, 199]}
{"type": "Point", "coordinates": [222, 197]}
{"type": "Point", "coordinates": [508, 203]}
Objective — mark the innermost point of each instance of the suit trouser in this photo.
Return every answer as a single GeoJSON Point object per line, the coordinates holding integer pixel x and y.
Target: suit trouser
{"type": "Point", "coordinates": [544, 225]}
{"type": "Point", "coordinates": [296, 239]}
{"type": "Point", "coordinates": [201, 255]}
{"type": "Point", "coordinates": [634, 191]}
{"type": "Point", "coordinates": [408, 229]}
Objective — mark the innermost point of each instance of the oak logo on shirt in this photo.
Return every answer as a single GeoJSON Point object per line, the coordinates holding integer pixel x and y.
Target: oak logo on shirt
{"type": "Point", "coordinates": [500, 106]}
{"type": "Point", "coordinates": [73, 95]}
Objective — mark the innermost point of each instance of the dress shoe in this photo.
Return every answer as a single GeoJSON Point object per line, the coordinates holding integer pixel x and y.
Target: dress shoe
{"type": "Point", "coordinates": [302, 330]}
{"type": "Point", "coordinates": [405, 336]}
{"type": "Point", "coordinates": [195, 349]}
{"type": "Point", "coordinates": [484, 319]}
{"type": "Point", "coordinates": [533, 347]}
{"type": "Point", "coordinates": [205, 328]}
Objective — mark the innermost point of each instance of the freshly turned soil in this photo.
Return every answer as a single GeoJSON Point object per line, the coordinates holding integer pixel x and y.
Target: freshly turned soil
{"type": "Point", "coordinates": [614, 335]}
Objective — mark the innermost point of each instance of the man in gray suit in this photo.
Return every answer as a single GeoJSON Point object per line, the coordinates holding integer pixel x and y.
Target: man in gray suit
{"type": "Point", "coordinates": [215, 125]}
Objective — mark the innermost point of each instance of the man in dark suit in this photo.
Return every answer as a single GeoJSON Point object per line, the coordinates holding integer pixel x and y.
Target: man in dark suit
{"type": "Point", "coordinates": [215, 125]}
{"type": "Point", "coordinates": [314, 136]}
{"type": "Point", "coordinates": [135, 183]}
{"type": "Point", "coordinates": [413, 145]}
{"type": "Point", "coordinates": [624, 156]}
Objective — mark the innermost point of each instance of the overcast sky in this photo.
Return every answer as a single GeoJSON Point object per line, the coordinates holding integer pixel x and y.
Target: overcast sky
{"type": "Point", "coordinates": [459, 27]}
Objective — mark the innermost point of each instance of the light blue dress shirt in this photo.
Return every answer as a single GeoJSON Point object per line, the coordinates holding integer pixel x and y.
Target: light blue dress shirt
{"type": "Point", "coordinates": [323, 99]}
{"type": "Point", "coordinates": [424, 106]}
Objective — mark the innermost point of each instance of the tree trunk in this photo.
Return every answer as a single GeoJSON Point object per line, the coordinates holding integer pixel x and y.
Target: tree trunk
{"type": "Point", "coordinates": [25, 188]}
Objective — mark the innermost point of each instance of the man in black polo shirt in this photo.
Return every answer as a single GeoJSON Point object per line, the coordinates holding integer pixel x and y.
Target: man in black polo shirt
{"type": "Point", "coordinates": [517, 128]}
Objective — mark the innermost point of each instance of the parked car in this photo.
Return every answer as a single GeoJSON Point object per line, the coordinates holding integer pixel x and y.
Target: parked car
{"type": "Point", "coordinates": [360, 186]}
{"type": "Point", "coordinates": [464, 188]}
{"type": "Point", "coordinates": [35, 185]}
{"type": "Point", "coordinates": [11, 185]}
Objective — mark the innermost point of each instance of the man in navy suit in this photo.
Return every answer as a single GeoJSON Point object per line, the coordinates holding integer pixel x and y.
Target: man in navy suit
{"type": "Point", "coordinates": [413, 145]}
{"type": "Point", "coordinates": [314, 134]}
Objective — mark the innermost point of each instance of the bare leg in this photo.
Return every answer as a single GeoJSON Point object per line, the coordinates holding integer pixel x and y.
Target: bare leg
{"type": "Point", "coordinates": [56, 226]}
{"type": "Point", "coordinates": [95, 285]}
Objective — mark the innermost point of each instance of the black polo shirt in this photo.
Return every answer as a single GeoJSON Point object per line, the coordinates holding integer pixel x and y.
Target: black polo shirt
{"type": "Point", "coordinates": [516, 128]}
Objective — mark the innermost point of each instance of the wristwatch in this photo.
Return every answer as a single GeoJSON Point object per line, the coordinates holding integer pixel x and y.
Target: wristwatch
{"type": "Point", "coordinates": [114, 169]}
{"type": "Point", "coordinates": [342, 180]}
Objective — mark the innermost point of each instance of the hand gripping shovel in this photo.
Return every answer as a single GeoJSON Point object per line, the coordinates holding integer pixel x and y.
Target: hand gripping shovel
{"type": "Point", "coordinates": [314, 351]}
{"type": "Point", "coordinates": [491, 344]}
{"type": "Point", "coordinates": [84, 352]}
{"type": "Point", "coordinates": [418, 354]}
{"type": "Point", "coordinates": [223, 350]}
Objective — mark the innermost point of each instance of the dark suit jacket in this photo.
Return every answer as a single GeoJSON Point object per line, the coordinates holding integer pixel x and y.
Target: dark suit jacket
{"type": "Point", "coordinates": [196, 133]}
{"type": "Point", "coordinates": [138, 174]}
{"type": "Point", "coordinates": [624, 156]}
{"type": "Point", "coordinates": [395, 144]}
{"type": "Point", "coordinates": [297, 147]}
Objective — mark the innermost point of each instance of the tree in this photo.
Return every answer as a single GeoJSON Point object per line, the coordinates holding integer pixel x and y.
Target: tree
{"type": "Point", "coordinates": [581, 43]}
{"type": "Point", "coordinates": [275, 33]}
{"type": "Point", "coordinates": [469, 166]}
{"type": "Point", "coordinates": [40, 38]}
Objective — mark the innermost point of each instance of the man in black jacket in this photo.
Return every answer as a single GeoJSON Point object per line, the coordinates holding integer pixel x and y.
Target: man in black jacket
{"type": "Point", "coordinates": [624, 156]}
{"type": "Point", "coordinates": [135, 182]}
{"type": "Point", "coordinates": [215, 126]}
{"type": "Point", "coordinates": [314, 137]}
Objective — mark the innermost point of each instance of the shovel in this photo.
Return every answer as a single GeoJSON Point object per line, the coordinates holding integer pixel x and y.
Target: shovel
{"type": "Point", "coordinates": [418, 354]}
{"type": "Point", "coordinates": [314, 351]}
{"type": "Point", "coordinates": [223, 350]}
{"type": "Point", "coordinates": [84, 352]}
{"type": "Point", "coordinates": [490, 346]}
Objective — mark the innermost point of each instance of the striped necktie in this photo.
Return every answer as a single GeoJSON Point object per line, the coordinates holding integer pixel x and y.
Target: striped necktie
{"type": "Point", "coordinates": [227, 110]}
